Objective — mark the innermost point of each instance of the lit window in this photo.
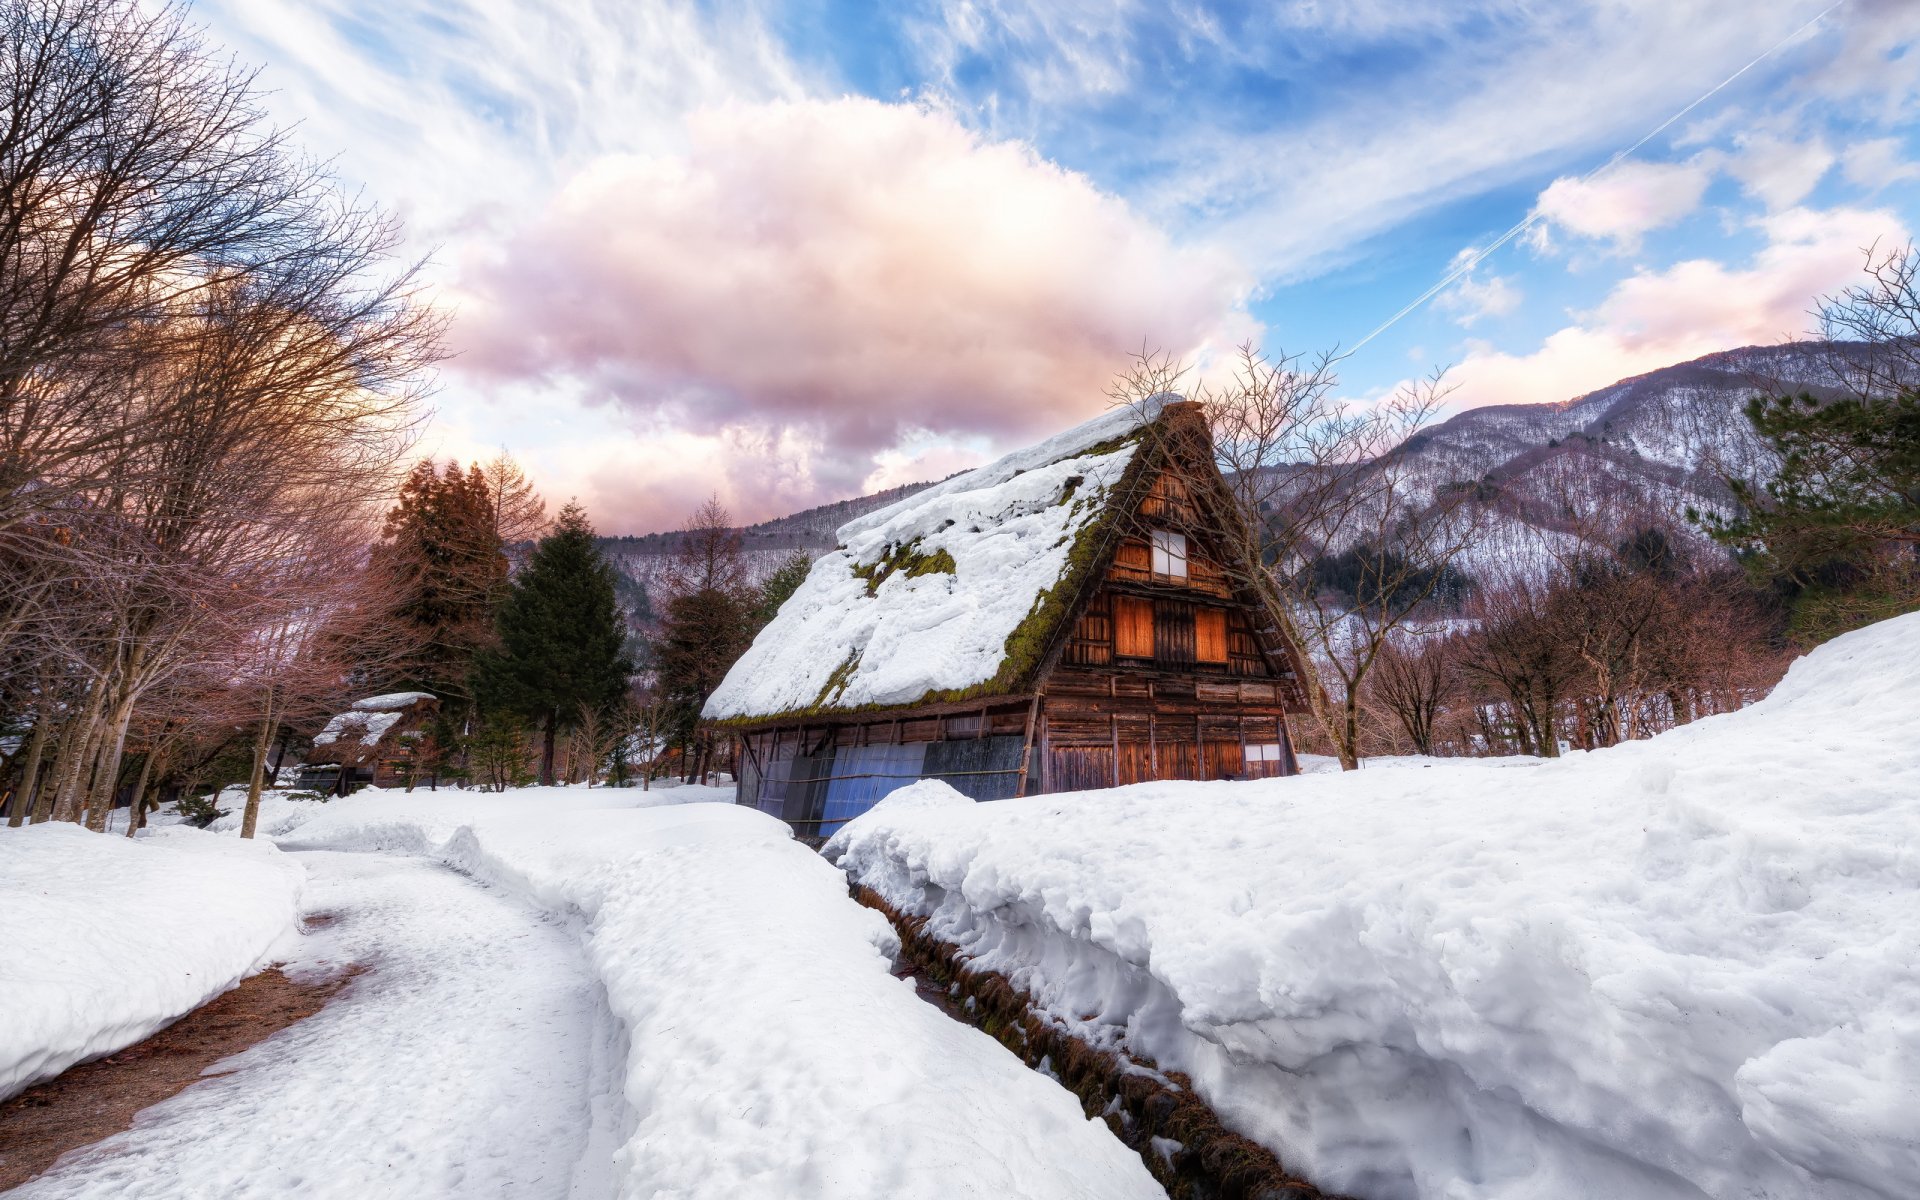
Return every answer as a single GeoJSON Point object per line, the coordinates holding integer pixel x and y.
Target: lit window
{"type": "Point", "coordinates": [1170, 554]}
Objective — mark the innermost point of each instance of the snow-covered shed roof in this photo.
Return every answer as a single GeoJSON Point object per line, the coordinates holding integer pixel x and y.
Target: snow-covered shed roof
{"type": "Point", "coordinates": [368, 721]}
{"type": "Point", "coordinates": [391, 701]}
{"type": "Point", "coordinates": [951, 592]}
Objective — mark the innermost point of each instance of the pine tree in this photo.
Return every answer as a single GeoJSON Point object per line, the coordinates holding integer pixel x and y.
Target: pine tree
{"type": "Point", "coordinates": [1837, 529]}
{"type": "Point", "coordinates": [777, 588]}
{"type": "Point", "coordinates": [561, 637]}
{"type": "Point", "coordinates": [442, 558]}
{"type": "Point", "coordinates": [708, 622]}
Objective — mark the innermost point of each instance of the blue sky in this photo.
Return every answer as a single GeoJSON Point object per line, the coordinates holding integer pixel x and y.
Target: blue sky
{"type": "Point", "coordinates": [787, 252]}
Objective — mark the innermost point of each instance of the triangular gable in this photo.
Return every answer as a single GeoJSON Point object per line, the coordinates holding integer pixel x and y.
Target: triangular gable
{"type": "Point", "coordinates": [1179, 442]}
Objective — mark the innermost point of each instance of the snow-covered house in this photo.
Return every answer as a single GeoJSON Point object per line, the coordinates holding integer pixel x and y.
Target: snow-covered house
{"type": "Point", "coordinates": [370, 743]}
{"type": "Point", "coordinates": [1067, 617]}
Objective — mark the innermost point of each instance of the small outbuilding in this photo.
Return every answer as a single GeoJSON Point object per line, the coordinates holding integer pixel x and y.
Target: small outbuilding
{"type": "Point", "coordinates": [1076, 615]}
{"type": "Point", "coordinates": [372, 742]}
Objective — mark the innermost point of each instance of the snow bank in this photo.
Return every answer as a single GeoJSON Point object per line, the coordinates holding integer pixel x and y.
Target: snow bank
{"type": "Point", "coordinates": [103, 940]}
{"type": "Point", "coordinates": [863, 629]}
{"type": "Point", "coordinates": [770, 1051]}
{"type": "Point", "coordinates": [1682, 967]}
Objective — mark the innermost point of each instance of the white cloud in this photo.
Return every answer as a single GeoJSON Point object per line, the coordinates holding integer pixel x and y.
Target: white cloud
{"type": "Point", "coordinates": [1653, 319]}
{"type": "Point", "coordinates": [1502, 89]}
{"type": "Point", "coordinates": [1628, 201]}
{"type": "Point", "coordinates": [1877, 163]}
{"type": "Point", "coordinates": [844, 276]}
{"type": "Point", "coordinates": [1473, 299]}
{"type": "Point", "coordinates": [1781, 171]}
{"type": "Point", "coordinates": [460, 114]}
{"type": "Point", "coordinates": [1877, 62]}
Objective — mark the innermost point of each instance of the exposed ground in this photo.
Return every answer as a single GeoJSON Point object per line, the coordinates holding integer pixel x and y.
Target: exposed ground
{"type": "Point", "coordinates": [96, 1100]}
{"type": "Point", "coordinates": [464, 1061]}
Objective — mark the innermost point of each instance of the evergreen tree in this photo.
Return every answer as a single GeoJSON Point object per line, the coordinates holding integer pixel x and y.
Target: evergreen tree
{"type": "Point", "coordinates": [707, 623]}
{"type": "Point", "coordinates": [442, 559]}
{"type": "Point", "coordinates": [1837, 529]}
{"type": "Point", "coordinates": [701, 635]}
{"type": "Point", "coordinates": [778, 587]}
{"type": "Point", "coordinates": [561, 637]}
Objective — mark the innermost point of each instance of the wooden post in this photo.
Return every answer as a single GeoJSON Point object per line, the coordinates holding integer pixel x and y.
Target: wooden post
{"type": "Point", "coordinates": [1026, 746]}
{"type": "Point", "coordinates": [1046, 749]}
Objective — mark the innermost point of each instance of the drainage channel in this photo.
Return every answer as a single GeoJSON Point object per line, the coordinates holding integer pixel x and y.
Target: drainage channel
{"type": "Point", "coordinates": [1157, 1115]}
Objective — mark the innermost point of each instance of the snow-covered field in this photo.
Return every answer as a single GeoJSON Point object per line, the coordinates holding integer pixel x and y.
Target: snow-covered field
{"type": "Point", "coordinates": [1678, 968]}
{"type": "Point", "coordinates": [766, 1048]}
{"type": "Point", "coordinates": [103, 939]}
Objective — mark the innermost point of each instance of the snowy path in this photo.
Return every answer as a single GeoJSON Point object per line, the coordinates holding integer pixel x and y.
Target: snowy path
{"type": "Point", "coordinates": [462, 1064]}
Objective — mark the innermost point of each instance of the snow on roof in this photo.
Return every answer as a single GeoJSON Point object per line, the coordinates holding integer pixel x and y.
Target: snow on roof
{"type": "Point", "coordinates": [922, 596]}
{"type": "Point", "coordinates": [391, 700]}
{"type": "Point", "coordinates": [371, 726]}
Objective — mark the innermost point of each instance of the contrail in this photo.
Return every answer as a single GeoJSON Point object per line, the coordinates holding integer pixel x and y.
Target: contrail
{"type": "Point", "coordinates": [1533, 218]}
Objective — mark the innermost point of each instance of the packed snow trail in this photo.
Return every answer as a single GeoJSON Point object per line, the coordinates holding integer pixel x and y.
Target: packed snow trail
{"type": "Point", "coordinates": [765, 1047]}
{"type": "Point", "coordinates": [461, 1064]}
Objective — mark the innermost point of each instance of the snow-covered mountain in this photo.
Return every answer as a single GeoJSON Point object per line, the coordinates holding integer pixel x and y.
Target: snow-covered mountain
{"type": "Point", "coordinates": [1648, 447]}
{"type": "Point", "coordinates": [1688, 417]}
{"type": "Point", "coordinates": [1653, 443]}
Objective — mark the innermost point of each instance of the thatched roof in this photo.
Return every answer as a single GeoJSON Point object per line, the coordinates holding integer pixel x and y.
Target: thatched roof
{"type": "Point", "coordinates": [953, 593]}
{"type": "Point", "coordinates": [362, 732]}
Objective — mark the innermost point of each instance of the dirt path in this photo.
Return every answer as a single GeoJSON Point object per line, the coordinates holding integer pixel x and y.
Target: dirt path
{"type": "Point", "coordinates": [96, 1100]}
{"type": "Point", "coordinates": [469, 1059]}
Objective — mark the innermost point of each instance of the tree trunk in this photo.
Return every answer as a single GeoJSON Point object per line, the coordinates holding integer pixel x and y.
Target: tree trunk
{"type": "Point", "coordinates": [1348, 744]}
{"type": "Point", "coordinates": [77, 754]}
{"type": "Point", "coordinates": [137, 812]}
{"type": "Point", "coordinates": [251, 820]}
{"type": "Point", "coordinates": [107, 770]}
{"type": "Point", "coordinates": [30, 776]}
{"type": "Point", "coordinates": [280, 749]}
{"type": "Point", "coordinates": [546, 749]}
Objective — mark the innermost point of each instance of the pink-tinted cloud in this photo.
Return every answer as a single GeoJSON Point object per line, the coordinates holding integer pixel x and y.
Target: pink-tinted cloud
{"type": "Point", "coordinates": [848, 276]}
{"type": "Point", "coordinates": [1653, 319]}
{"type": "Point", "coordinates": [1628, 201]}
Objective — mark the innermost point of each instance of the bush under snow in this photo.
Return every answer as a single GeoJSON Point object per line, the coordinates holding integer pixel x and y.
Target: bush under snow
{"type": "Point", "coordinates": [1681, 967]}
{"type": "Point", "coordinates": [104, 939]}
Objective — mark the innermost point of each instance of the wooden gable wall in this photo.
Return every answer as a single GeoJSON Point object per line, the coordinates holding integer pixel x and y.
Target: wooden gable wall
{"type": "Point", "coordinates": [1162, 675]}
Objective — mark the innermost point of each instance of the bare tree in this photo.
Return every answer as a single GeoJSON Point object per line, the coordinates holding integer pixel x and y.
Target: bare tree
{"type": "Point", "coordinates": [208, 364]}
{"type": "Point", "coordinates": [1518, 658]}
{"type": "Point", "coordinates": [1412, 681]}
{"type": "Point", "coordinates": [1320, 477]}
{"type": "Point", "coordinates": [134, 173]}
{"type": "Point", "coordinates": [1871, 331]}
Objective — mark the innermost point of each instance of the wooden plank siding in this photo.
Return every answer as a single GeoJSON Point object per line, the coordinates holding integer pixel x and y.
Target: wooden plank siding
{"type": "Point", "coordinates": [1173, 632]}
{"type": "Point", "coordinates": [1210, 635]}
{"type": "Point", "coordinates": [1133, 627]}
